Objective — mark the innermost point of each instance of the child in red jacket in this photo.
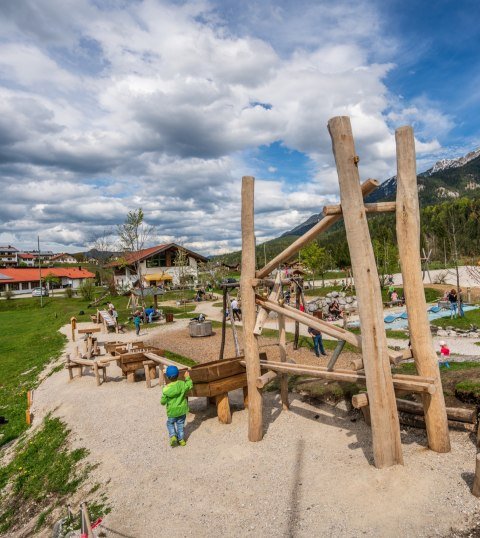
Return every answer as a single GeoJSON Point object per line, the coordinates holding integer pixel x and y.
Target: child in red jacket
{"type": "Point", "coordinates": [444, 354]}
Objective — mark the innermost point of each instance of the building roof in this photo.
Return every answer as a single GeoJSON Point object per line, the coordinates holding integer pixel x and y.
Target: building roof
{"type": "Point", "coordinates": [26, 256]}
{"type": "Point", "coordinates": [32, 274]}
{"type": "Point", "coordinates": [8, 249]}
{"type": "Point", "coordinates": [139, 255]}
{"type": "Point", "coordinates": [58, 256]}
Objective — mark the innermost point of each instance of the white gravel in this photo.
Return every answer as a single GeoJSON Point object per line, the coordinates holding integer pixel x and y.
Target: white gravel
{"type": "Point", "coordinates": [312, 475]}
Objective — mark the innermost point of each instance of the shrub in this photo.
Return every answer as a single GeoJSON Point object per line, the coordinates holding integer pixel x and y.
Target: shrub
{"type": "Point", "coordinates": [69, 292]}
{"type": "Point", "coordinates": [87, 290]}
{"type": "Point", "coordinates": [8, 294]}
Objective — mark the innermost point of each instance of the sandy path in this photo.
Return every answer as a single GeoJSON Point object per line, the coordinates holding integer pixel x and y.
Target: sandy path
{"type": "Point", "coordinates": [310, 476]}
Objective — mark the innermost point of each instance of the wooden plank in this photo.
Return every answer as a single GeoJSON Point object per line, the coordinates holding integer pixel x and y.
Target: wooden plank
{"type": "Point", "coordinates": [255, 400]}
{"type": "Point", "coordinates": [89, 330]}
{"type": "Point", "coordinates": [377, 207]}
{"type": "Point", "coordinates": [387, 448]}
{"type": "Point", "coordinates": [211, 371]}
{"type": "Point", "coordinates": [327, 222]}
{"type": "Point", "coordinates": [408, 237]}
{"type": "Point", "coordinates": [418, 421]}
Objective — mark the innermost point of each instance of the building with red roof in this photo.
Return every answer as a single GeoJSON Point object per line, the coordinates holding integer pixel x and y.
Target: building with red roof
{"type": "Point", "coordinates": [22, 280]}
{"type": "Point", "coordinates": [155, 266]}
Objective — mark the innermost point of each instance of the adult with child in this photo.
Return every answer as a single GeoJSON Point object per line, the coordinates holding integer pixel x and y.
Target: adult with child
{"type": "Point", "coordinates": [334, 309]}
{"type": "Point", "coordinates": [149, 312]}
{"type": "Point", "coordinates": [174, 396]}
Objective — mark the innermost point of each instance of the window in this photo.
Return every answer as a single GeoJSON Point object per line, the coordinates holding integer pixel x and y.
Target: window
{"type": "Point", "coordinates": [158, 260]}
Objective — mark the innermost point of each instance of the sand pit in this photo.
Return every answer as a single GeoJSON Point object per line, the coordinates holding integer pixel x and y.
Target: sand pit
{"type": "Point", "coordinates": [312, 475]}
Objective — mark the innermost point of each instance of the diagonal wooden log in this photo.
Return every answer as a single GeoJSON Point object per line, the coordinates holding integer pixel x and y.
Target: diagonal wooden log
{"type": "Point", "coordinates": [408, 237]}
{"type": "Point", "coordinates": [387, 447]}
{"type": "Point", "coordinates": [367, 187]}
{"type": "Point", "coordinates": [262, 315]}
{"type": "Point", "coordinates": [377, 207]}
{"type": "Point", "coordinates": [310, 321]}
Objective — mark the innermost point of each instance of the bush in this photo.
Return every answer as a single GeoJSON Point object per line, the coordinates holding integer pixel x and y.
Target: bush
{"type": "Point", "coordinates": [69, 292]}
{"type": "Point", "coordinates": [8, 294]}
{"type": "Point", "coordinates": [87, 290]}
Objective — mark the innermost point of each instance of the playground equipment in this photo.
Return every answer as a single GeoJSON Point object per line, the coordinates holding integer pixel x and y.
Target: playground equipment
{"type": "Point", "coordinates": [381, 384]}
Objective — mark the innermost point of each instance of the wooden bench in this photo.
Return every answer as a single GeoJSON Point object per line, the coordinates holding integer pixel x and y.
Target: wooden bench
{"type": "Point", "coordinates": [79, 363]}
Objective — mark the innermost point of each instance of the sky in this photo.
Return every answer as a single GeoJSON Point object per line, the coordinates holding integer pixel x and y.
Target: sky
{"type": "Point", "coordinates": [107, 106]}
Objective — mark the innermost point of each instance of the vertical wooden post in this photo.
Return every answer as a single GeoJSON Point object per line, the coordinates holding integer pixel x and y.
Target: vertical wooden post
{"type": "Point", "coordinates": [476, 480]}
{"type": "Point", "coordinates": [252, 359]}
{"type": "Point", "coordinates": [223, 408]}
{"type": "Point", "coordinates": [146, 367]}
{"type": "Point", "coordinates": [297, 324]}
{"type": "Point", "coordinates": [97, 373]}
{"type": "Point", "coordinates": [224, 322]}
{"type": "Point", "coordinates": [283, 358]}
{"type": "Point", "coordinates": [408, 237]}
{"type": "Point", "coordinates": [387, 448]}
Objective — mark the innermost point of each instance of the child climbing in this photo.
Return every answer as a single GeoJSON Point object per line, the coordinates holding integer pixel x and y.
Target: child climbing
{"type": "Point", "coordinates": [174, 397]}
{"type": "Point", "coordinates": [444, 354]}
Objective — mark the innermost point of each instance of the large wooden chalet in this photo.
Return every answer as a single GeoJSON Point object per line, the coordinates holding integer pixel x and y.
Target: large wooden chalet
{"type": "Point", "coordinates": [155, 266]}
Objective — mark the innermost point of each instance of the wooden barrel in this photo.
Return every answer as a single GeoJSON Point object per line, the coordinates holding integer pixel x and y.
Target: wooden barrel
{"type": "Point", "coordinates": [203, 328]}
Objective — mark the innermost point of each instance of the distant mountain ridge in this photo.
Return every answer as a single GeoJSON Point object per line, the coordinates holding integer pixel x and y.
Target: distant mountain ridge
{"type": "Point", "coordinates": [447, 179]}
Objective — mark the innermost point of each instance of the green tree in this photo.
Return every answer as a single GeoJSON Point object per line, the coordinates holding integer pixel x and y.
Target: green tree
{"type": "Point", "coordinates": [386, 257]}
{"type": "Point", "coordinates": [317, 259]}
{"type": "Point", "coordinates": [133, 235]}
{"type": "Point", "coordinates": [51, 280]}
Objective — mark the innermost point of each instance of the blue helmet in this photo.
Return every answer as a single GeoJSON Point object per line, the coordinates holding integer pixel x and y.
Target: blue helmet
{"type": "Point", "coordinates": [172, 371]}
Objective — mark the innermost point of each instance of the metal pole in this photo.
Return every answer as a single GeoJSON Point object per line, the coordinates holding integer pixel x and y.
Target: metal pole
{"type": "Point", "coordinates": [40, 271]}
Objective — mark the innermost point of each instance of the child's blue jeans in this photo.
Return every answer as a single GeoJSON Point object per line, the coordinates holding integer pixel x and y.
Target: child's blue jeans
{"type": "Point", "coordinates": [318, 345]}
{"type": "Point", "coordinates": [175, 426]}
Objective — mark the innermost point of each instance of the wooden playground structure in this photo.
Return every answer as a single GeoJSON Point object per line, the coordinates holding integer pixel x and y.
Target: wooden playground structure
{"type": "Point", "coordinates": [375, 369]}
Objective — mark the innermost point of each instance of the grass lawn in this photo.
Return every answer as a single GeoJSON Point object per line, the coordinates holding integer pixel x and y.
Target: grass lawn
{"type": "Point", "coordinates": [472, 317]}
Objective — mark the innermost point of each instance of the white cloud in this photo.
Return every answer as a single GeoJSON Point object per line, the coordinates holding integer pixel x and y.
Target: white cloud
{"type": "Point", "coordinates": [110, 106]}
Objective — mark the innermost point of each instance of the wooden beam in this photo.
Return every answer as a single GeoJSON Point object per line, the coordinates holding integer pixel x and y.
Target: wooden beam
{"type": "Point", "coordinates": [387, 447]}
{"type": "Point", "coordinates": [282, 340]}
{"type": "Point", "coordinates": [266, 378]}
{"type": "Point", "coordinates": [457, 414]}
{"type": "Point", "coordinates": [328, 328]}
{"type": "Point", "coordinates": [408, 237]}
{"type": "Point", "coordinates": [367, 187]}
{"type": "Point", "coordinates": [255, 400]}
{"type": "Point", "coordinates": [262, 315]}
{"type": "Point", "coordinates": [476, 480]}
{"type": "Point", "coordinates": [411, 384]}
{"type": "Point", "coordinates": [336, 353]}
{"type": "Point", "coordinates": [224, 413]}
{"type": "Point", "coordinates": [378, 207]}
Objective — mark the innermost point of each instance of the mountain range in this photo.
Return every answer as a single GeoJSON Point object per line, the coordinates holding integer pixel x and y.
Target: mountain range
{"type": "Point", "coordinates": [446, 180]}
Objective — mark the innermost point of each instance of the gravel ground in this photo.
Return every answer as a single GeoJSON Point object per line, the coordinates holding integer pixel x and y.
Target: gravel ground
{"type": "Point", "coordinates": [312, 475]}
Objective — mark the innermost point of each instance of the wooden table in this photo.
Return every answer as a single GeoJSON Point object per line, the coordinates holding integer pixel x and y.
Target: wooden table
{"type": "Point", "coordinates": [132, 361]}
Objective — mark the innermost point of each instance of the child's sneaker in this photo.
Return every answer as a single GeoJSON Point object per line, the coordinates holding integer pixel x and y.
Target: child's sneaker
{"type": "Point", "coordinates": [173, 440]}
{"type": "Point", "coordinates": [182, 442]}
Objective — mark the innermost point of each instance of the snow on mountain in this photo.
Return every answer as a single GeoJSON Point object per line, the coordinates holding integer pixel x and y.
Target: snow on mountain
{"type": "Point", "coordinates": [445, 164]}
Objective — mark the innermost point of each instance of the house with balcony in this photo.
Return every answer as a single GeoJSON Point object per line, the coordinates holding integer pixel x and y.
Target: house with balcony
{"type": "Point", "coordinates": [8, 256]}
{"type": "Point", "coordinates": [156, 266]}
{"type": "Point", "coordinates": [25, 259]}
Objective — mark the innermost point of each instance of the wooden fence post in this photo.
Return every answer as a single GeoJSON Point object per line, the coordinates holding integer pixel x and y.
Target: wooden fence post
{"type": "Point", "coordinates": [408, 237]}
{"type": "Point", "coordinates": [252, 359]}
{"type": "Point", "coordinates": [387, 449]}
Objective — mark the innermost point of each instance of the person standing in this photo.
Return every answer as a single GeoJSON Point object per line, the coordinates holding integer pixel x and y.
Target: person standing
{"type": "Point", "coordinates": [137, 320]}
{"type": "Point", "coordinates": [317, 341]}
{"type": "Point", "coordinates": [174, 396]}
{"type": "Point", "coordinates": [236, 312]}
{"type": "Point", "coordinates": [452, 297]}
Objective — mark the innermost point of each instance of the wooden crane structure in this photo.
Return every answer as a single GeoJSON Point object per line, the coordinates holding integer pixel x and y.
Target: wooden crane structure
{"type": "Point", "coordinates": [375, 371]}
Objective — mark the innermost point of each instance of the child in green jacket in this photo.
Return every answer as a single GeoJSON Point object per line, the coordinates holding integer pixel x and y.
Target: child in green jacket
{"type": "Point", "coordinates": [174, 397]}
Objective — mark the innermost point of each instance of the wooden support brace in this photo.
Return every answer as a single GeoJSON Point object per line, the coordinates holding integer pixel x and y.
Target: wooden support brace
{"type": "Point", "coordinates": [262, 315]}
{"type": "Point", "coordinates": [146, 367]}
{"type": "Point", "coordinates": [379, 207]}
{"type": "Point", "coordinates": [266, 378]}
{"type": "Point", "coordinates": [223, 408]}
{"type": "Point", "coordinates": [336, 353]}
{"type": "Point", "coordinates": [367, 187]}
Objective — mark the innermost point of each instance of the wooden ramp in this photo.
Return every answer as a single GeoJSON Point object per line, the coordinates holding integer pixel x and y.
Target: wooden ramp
{"type": "Point", "coordinates": [107, 320]}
